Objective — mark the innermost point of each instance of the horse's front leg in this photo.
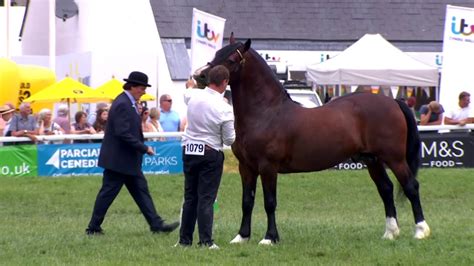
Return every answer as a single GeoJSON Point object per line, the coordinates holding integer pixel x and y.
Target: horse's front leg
{"type": "Point", "coordinates": [249, 183]}
{"type": "Point", "coordinates": [269, 183]}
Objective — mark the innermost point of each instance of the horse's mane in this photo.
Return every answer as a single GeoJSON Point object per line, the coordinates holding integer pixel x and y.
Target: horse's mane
{"type": "Point", "coordinates": [264, 64]}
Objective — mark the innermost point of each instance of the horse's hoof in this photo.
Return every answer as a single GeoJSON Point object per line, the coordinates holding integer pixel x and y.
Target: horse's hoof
{"type": "Point", "coordinates": [389, 236]}
{"type": "Point", "coordinates": [422, 230]}
{"type": "Point", "coordinates": [239, 239]}
{"type": "Point", "coordinates": [266, 242]}
{"type": "Point", "coordinates": [391, 229]}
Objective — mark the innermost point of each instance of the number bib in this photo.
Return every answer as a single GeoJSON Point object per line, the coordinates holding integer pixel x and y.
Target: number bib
{"type": "Point", "coordinates": [194, 148]}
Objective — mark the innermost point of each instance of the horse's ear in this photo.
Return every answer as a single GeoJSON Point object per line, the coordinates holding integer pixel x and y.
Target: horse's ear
{"type": "Point", "coordinates": [247, 44]}
{"type": "Point", "coordinates": [232, 39]}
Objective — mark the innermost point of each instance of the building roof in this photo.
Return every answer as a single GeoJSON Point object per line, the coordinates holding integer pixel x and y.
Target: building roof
{"type": "Point", "coordinates": [301, 24]}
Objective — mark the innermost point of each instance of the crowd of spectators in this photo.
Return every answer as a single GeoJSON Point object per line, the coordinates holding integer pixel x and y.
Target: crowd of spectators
{"type": "Point", "coordinates": [434, 113]}
{"type": "Point", "coordinates": [24, 123]}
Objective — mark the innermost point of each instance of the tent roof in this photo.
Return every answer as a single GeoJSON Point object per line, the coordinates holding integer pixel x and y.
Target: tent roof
{"type": "Point", "coordinates": [372, 60]}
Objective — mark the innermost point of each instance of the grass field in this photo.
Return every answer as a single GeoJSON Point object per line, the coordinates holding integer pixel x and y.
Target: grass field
{"type": "Point", "coordinates": [330, 217]}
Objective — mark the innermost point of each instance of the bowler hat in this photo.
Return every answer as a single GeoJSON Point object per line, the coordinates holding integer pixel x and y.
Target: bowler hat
{"type": "Point", "coordinates": [138, 78]}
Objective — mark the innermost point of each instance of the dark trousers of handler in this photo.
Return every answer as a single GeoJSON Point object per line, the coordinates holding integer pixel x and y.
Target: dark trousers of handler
{"type": "Point", "coordinates": [138, 188]}
{"type": "Point", "coordinates": [202, 175]}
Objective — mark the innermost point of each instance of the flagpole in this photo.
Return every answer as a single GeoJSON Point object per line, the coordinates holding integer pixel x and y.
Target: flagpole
{"type": "Point", "coordinates": [69, 110]}
{"type": "Point", "coordinates": [52, 35]}
{"type": "Point", "coordinates": [7, 16]}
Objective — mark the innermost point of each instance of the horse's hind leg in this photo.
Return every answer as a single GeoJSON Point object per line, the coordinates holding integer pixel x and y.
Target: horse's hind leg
{"type": "Point", "coordinates": [385, 188]}
{"type": "Point", "coordinates": [249, 183]}
{"type": "Point", "coordinates": [411, 189]}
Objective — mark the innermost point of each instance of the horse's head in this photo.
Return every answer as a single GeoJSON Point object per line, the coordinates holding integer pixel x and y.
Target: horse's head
{"type": "Point", "coordinates": [230, 56]}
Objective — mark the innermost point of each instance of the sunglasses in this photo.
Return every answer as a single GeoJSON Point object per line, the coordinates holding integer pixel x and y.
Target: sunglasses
{"type": "Point", "coordinates": [168, 100]}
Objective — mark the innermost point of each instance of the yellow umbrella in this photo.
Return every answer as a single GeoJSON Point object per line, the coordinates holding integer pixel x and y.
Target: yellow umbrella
{"type": "Point", "coordinates": [68, 90]}
{"type": "Point", "coordinates": [114, 87]}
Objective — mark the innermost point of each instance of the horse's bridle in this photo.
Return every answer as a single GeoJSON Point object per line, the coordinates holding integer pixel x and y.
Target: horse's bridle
{"type": "Point", "coordinates": [241, 62]}
{"type": "Point", "coordinates": [242, 59]}
{"type": "Point", "coordinates": [232, 57]}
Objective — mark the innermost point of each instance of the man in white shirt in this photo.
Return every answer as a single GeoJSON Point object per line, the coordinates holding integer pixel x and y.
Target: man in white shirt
{"type": "Point", "coordinates": [462, 115]}
{"type": "Point", "coordinates": [210, 125]}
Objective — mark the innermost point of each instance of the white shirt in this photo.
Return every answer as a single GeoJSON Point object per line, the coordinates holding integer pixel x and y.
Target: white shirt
{"type": "Point", "coordinates": [460, 113]}
{"type": "Point", "coordinates": [210, 118]}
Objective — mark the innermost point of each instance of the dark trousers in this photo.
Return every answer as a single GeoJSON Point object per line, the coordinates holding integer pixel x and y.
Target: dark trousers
{"type": "Point", "coordinates": [202, 179]}
{"type": "Point", "coordinates": [138, 188]}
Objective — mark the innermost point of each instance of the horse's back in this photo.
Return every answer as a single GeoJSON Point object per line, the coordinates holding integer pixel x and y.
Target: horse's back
{"type": "Point", "coordinates": [360, 123]}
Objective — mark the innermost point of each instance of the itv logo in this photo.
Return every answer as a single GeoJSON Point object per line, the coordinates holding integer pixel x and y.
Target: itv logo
{"type": "Point", "coordinates": [206, 32]}
{"type": "Point", "coordinates": [461, 27]}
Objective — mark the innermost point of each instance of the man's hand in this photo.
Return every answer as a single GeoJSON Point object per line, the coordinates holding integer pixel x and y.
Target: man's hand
{"type": "Point", "coordinates": [150, 151]}
{"type": "Point", "coordinates": [463, 122]}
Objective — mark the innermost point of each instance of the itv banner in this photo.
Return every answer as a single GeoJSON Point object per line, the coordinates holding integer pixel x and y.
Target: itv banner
{"type": "Point", "coordinates": [458, 55]}
{"type": "Point", "coordinates": [207, 34]}
{"type": "Point", "coordinates": [82, 159]}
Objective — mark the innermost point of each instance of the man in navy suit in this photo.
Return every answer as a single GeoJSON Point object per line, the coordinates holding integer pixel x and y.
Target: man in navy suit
{"type": "Point", "coordinates": [121, 156]}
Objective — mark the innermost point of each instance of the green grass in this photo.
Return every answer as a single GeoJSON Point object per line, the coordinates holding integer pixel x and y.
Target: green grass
{"type": "Point", "coordinates": [330, 217]}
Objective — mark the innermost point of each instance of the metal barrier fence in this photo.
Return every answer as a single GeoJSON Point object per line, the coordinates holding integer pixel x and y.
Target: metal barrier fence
{"type": "Point", "coordinates": [451, 149]}
{"type": "Point", "coordinates": [148, 135]}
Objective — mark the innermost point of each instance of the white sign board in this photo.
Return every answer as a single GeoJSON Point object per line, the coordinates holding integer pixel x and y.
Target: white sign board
{"type": "Point", "coordinates": [206, 38]}
{"type": "Point", "coordinates": [458, 55]}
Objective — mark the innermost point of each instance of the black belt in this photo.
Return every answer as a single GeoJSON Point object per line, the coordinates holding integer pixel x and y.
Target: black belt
{"type": "Point", "coordinates": [208, 148]}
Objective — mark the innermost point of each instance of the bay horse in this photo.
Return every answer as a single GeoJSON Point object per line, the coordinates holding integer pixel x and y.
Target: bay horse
{"type": "Point", "coordinates": [276, 135]}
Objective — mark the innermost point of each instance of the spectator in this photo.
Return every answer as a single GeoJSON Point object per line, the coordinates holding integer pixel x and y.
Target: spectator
{"type": "Point", "coordinates": [170, 120]}
{"type": "Point", "coordinates": [46, 126]}
{"type": "Point", "coordinates": [431, 114]}
{"type": "Point", "coordinates": [146, 126]}
{"type": "Point", "coordinates": [93, 115]}
{"type": "Point", "coordinates": [139, 106]}
{"type": "Point", "coordinates": [6, 113]}
{"type": "Point", "coordinates": [155, 119]}
{"type": "Point", "coordinates": [411, 102]}
{"type": "Point", "coordinates": [24, 123]}
{"type": "Point", "coordinates": [82, 127]}
{"type": "Point", "coordinates": [101, 121]}
{"type": "Point", "coordinates": [462, 114]}
{"type": "Point", "coordinates": [62, 118]}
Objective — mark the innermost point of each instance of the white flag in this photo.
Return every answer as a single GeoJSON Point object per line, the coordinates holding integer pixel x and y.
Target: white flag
{"type": "Point", "coordinates": [206, 38]}
{"type": "Point", "coordinates": [458, 55]}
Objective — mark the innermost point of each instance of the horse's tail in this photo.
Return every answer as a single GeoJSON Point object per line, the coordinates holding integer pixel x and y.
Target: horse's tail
{"type": "Point", "coordinates": [413, 155]}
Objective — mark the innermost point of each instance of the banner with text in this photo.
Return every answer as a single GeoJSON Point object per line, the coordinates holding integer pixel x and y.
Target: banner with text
{"type": "Point", "coordinates": [451, 150]}
{"type": "Point", "coordinates": [458, 55]}
{"type": "Point", "coordinates": [82, 159]}
{"type": "Point", "coordinates": [207, 34]}
{"type": "Point", "coordinates": [18, 160]}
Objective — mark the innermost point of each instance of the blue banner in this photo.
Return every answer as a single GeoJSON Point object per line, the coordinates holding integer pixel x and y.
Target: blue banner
{"type": "Point", "coordinates": [168, 158]}
{"type": "Point", "coordinates": [82, 159]}
{"type": "Point", "coordinates": [68, 159]}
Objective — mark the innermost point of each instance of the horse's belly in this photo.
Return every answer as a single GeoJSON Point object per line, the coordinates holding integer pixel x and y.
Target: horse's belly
{"type": "Point", "coordinates": [311, 163]}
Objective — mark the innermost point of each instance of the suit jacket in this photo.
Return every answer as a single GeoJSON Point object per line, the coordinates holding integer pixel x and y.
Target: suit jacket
{"type": "Point", "coordinates": [123, 145]}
